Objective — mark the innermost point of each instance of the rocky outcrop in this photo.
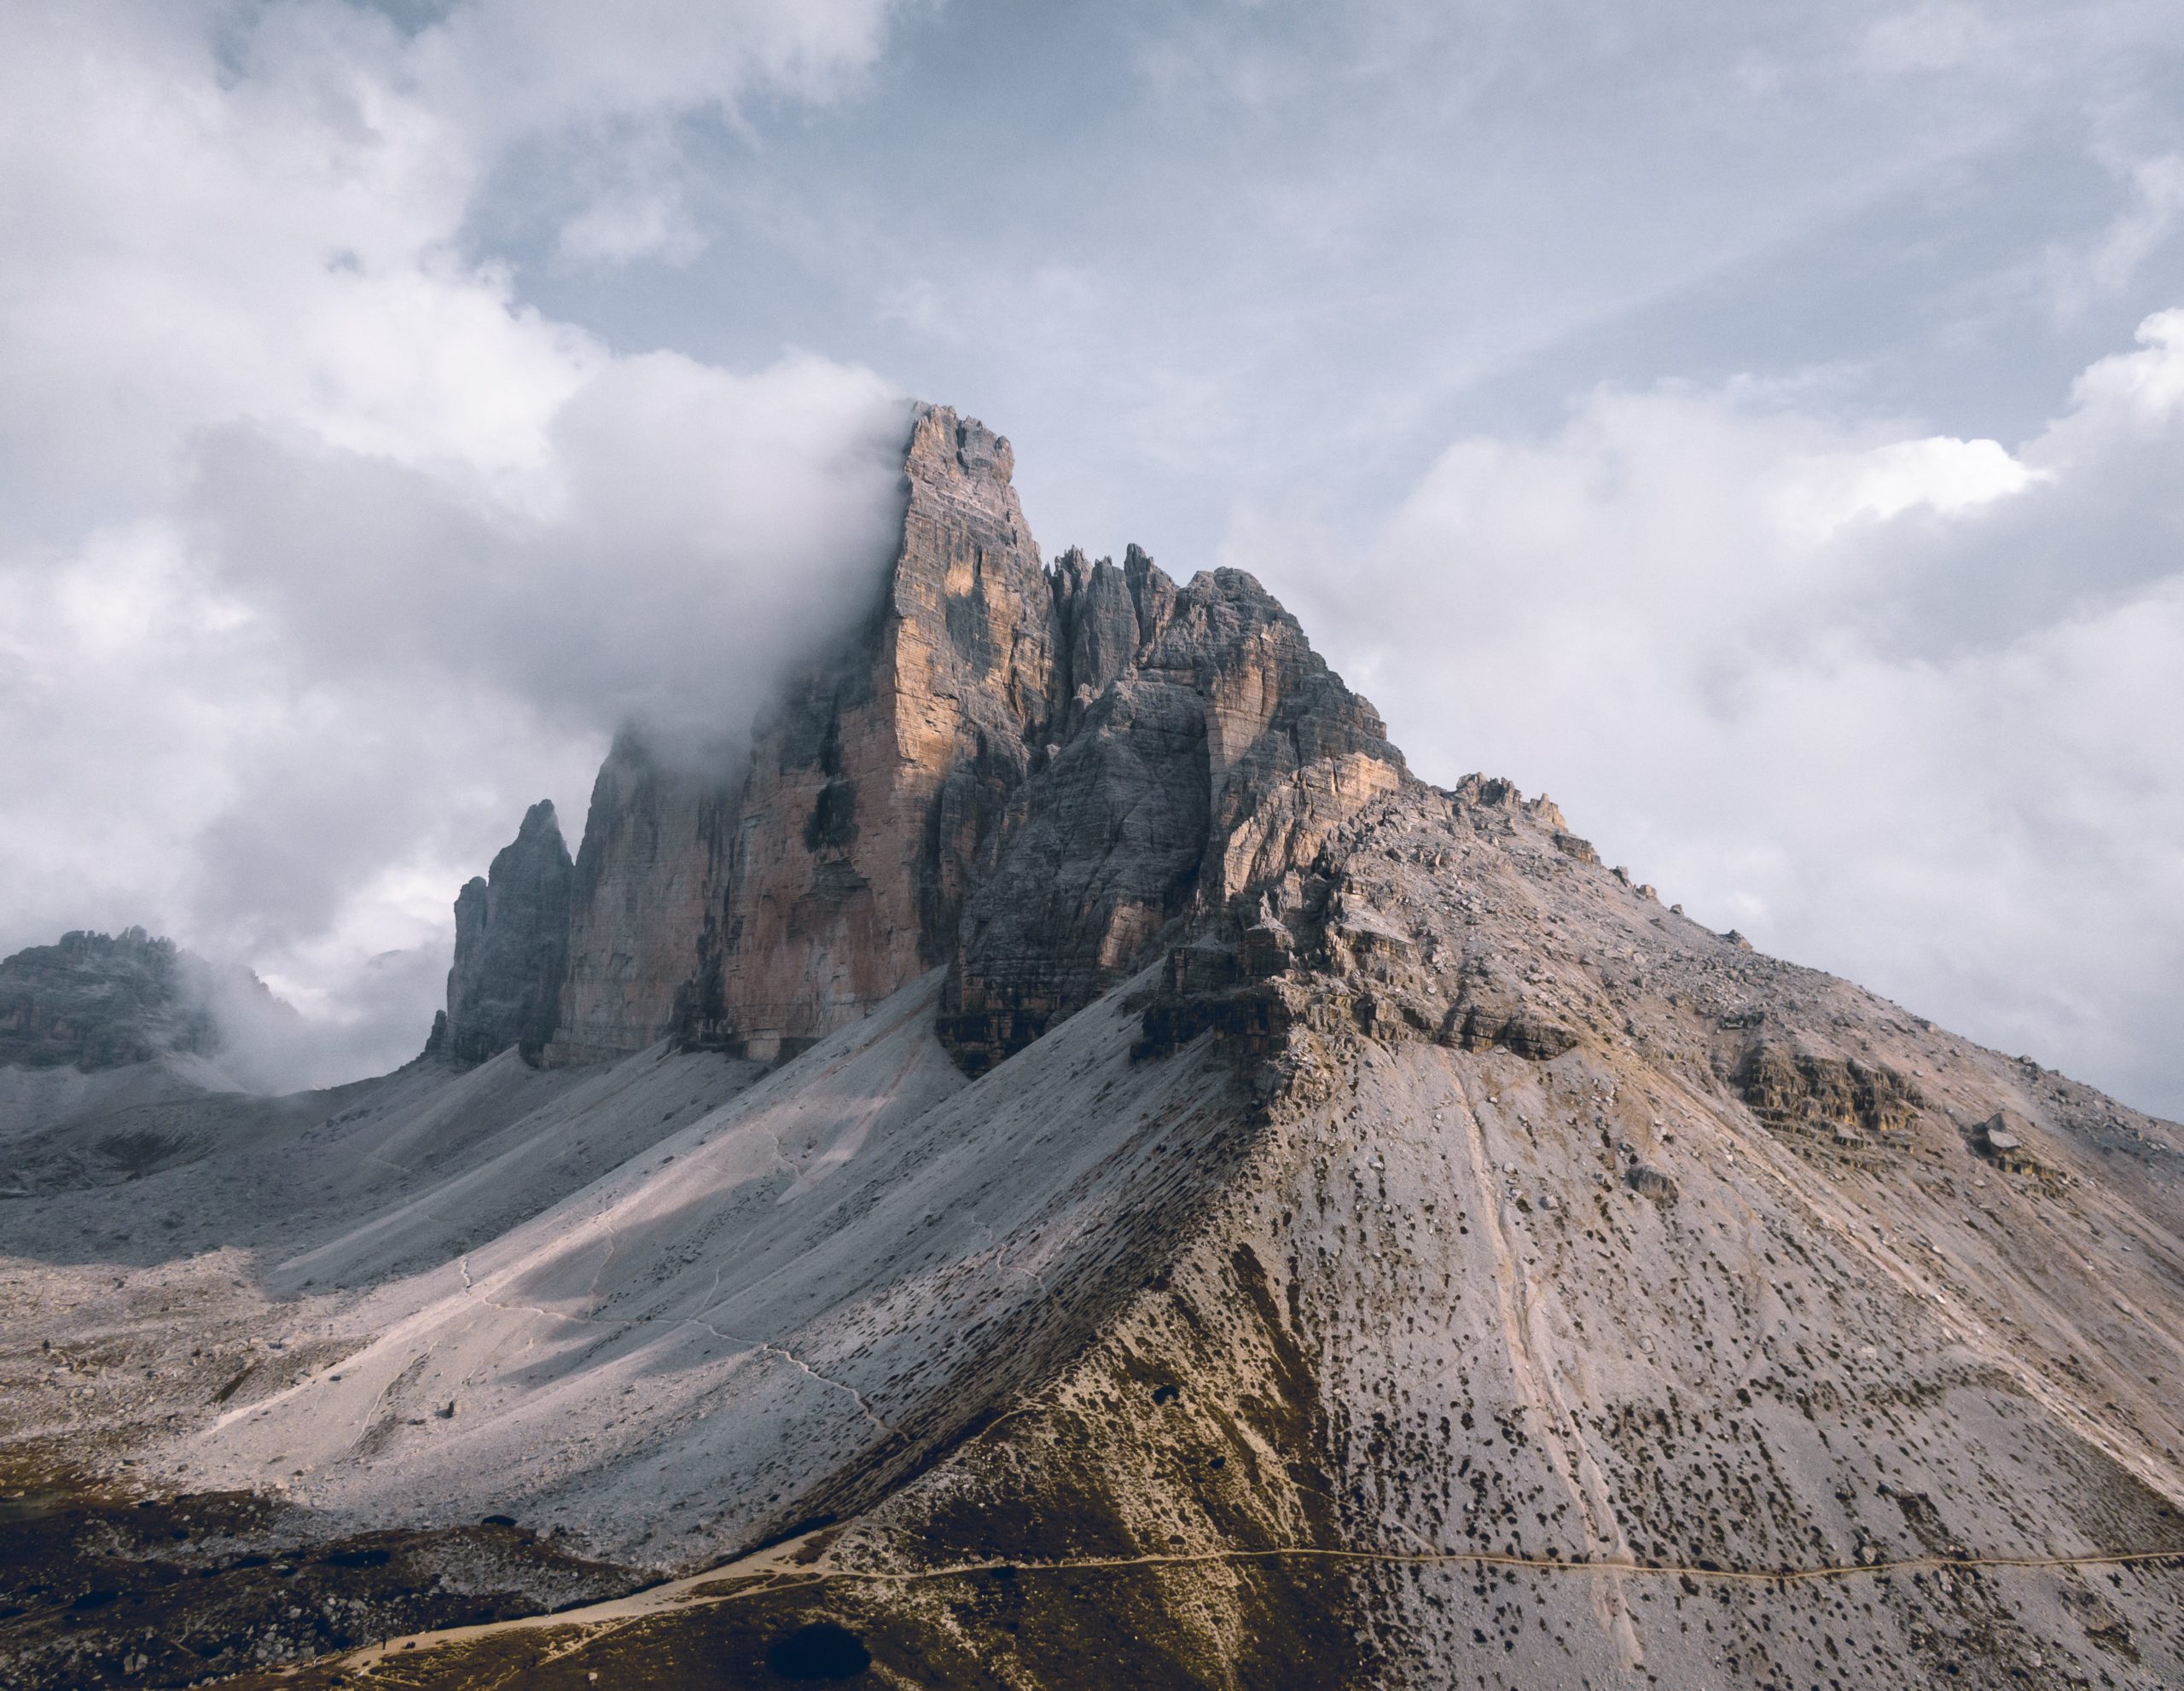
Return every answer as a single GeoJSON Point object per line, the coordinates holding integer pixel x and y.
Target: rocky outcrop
{"type": "Point", "coordinates": [96, 1001]}
{"type": "Point", "coordinates": [638, 897]}
{"type": "Point", "coordinates": [1204, 751]}
{"type": "Point", "coordinates": [2005, 1139]}
{"type": "Point", "coordinates": [511, 946]}
{"type": "Point", "coordinates": [873, 789]}
{"type": "Point", "coordinates": [1031, 774]}
{"type": "Point", "coordinates": [1796, 1089]}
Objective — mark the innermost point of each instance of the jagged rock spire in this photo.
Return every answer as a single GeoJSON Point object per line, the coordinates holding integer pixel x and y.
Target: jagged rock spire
{"type": "Point", "coordinates": [1030, 774]}
{"type": "Point", "coordinates": [511, 944]}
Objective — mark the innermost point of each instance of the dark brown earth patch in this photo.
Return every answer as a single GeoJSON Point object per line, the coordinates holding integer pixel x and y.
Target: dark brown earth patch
{"type": "Point", "coordinates": [97, 1589]}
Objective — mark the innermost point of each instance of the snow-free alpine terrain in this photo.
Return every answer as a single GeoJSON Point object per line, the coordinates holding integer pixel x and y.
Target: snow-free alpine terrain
{"type": "Point", "coordinates": [1073, 1167]}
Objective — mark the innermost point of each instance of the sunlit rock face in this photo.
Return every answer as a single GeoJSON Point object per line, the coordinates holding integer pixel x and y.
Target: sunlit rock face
{"type": "Point", "coordinates": [873, 788]}
{"type": "Point", "coordinates": [760, 911]}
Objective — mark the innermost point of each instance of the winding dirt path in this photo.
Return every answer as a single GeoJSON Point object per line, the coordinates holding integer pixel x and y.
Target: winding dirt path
{"type": "Point", "coordinates": [776, 1569]}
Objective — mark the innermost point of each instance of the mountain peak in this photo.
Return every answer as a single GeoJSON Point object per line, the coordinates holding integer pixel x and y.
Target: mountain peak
{"type": "Point", "coordinates": [1132, 1185]}
{"type": "Point", "coordinates": [939, 433]}
{"type": "Point", "coordinates": [1140, 752]}
{"type": "Point", "coordinates": [511, 945]}
{"type": "Point", "coordinates": [95, 1001]}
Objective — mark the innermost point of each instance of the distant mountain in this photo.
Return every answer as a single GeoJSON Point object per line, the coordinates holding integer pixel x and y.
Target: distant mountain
{"type": "Point", "coordinates": [95, 1001]}
{"type": "Point", "coordinates": [1076, 1168]}
{"type": "Point", "coordinates": [99, 1001]}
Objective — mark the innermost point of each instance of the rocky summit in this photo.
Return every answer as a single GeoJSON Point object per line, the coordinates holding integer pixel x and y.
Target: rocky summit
{"type": "Point", "coordinates": [1070, 1165]}
{"type": "Point", "coordinates": [98, 1001]}
{"type": "Point", "coordinates": [1028, 776]}
{"type": "Point", "coordinates": [511, 947]}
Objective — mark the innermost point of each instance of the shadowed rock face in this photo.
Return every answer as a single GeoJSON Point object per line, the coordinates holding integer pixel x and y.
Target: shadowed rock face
{"type": "Point", "coordinates": [97, 1001]}
{"type": "Point", "coordinates": [511, 945]}
{"type": "Point", "coordinates": [638, 901]}
{"type": "Point", "coordinates": [1202, 755]}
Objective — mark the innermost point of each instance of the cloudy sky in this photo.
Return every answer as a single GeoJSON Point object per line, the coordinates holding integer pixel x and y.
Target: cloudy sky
{"type": "Point", "coordinates": [1761, 428]}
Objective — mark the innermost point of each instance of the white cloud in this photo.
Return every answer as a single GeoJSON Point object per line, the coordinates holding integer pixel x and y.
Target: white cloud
{"type": "Point", "coordinates": [1732, 640]}
{"type": "Point", "coordinates": [2137, 394]}
{"type": "Point", "coordinates": [686, 534]}
{"type": "Point", "coordinates": [1823, 493]}
{"type": "Point", "coordinates": [321, 555]}
{"type": "Point", "coordinates": [2089, 273]}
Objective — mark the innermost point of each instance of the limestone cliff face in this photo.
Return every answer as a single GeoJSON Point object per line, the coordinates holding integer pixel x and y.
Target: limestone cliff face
{"type": "Point", "coordinates": [1032, 775]}
{"type": "Point", "coordinates": [1204, 754]}
{"type": "Point", "coordinates": [638, 901]}
{"type": "Point", "coordinates": [872, 790]}
{"type": "Point", "coordinates": [511, 945]}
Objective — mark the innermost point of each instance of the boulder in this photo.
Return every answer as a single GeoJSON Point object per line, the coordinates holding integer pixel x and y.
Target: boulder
{"type": "Point", "coordinates": [2005, 1140]}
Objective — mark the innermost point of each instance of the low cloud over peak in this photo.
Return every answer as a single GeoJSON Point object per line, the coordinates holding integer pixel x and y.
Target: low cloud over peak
{"type": "Point", "coordinates": [323, 555]}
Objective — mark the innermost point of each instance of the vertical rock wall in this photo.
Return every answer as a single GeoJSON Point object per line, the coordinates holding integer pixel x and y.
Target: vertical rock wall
{"type": "Point", "coordinates": [511, 945]}
{"type": "Point", "coordinates": [638, 899]}
{"type": "Point", "coordinates": [1207, 756]}
{"type": "Point", "coordinates": [1033, 774]}
{"type": "Point", "coordinates": [870, 792]}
